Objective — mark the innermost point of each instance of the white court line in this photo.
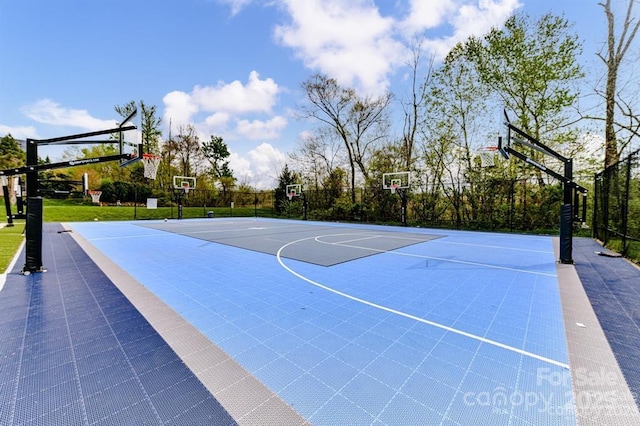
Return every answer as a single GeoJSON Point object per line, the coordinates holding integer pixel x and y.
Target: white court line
{"type": "Point", "coordinates": [422, 256]}
{"type": "Point", "coordinates": [353, 239]}
{"type": "Point", "coordinates": [413, 317]}
{"type": "Point", "coordinates": [394, 237]}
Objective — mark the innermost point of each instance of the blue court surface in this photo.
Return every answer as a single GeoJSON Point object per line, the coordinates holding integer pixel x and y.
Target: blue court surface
{"type": "Point", "coordinates": [357, 324]}
{"type": "Point", "coordinates": [280, 322]}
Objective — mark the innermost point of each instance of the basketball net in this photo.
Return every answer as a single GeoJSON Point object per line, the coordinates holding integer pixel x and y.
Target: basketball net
{"type": "Point", "coordinates": [291, 195]}
{"type": "Point", "coordinates": [185, 188]}
{"type": "Point", "coordinates": [95, 196]}
{"type": "Point", "coordinates": [393, 188]}
{"type": "Point", "coordinates": [487, 156]}
{"type": "Point", "coordinates": [151, 163]}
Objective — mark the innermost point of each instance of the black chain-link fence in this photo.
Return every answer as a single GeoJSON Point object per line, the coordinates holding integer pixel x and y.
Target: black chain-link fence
{"type": "Point", "coordinates": [493, 204]}
{"type": "Point", "coordinates": [616, 218]}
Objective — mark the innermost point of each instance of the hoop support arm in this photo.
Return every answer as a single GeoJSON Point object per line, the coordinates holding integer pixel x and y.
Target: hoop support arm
{"type": "Point", "coordinates": [72, 163]}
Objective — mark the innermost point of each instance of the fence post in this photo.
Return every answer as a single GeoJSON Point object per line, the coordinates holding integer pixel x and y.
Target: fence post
{"type": "Point", "coordinates": [606, 185]}
{"type": "Point", "coordinates": [625, 208]}
{"type": "Point", "coordinates": [597, 193]}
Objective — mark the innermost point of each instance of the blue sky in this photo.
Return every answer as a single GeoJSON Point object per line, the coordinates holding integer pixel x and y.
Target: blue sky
{"type": "Point", "coordinates": [232, 68]}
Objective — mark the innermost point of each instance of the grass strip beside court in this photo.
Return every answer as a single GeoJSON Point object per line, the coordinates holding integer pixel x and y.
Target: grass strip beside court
{"type": "Point", "coordinates": [10, 239]}
{"type": "Point", "coordinates": [71, 211]}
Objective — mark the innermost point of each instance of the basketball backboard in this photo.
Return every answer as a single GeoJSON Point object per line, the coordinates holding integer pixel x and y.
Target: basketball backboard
{"type": "Point", "coordinates": [294, 190]}
{"type": "Point", "coordinates": [396, 180]}
{"type": "Point", "coordinates": [130, 139]}
{"type": "Point", "coordinates": [184, 182]}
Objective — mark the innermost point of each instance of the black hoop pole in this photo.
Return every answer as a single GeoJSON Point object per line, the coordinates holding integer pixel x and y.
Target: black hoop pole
{"type": "Point", "coordinates": [180, 193]}
{"type": "Point", "coordinates": [403, 209]}
{"type": "Point", "coordinates": [7, 204]}
{"type": "Point", "coordinates": [304, 206]}
{"type": "Point", "coordinates": [569, 209]}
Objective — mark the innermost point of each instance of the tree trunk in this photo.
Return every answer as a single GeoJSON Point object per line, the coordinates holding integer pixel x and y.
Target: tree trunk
{"type": "Point", "coordinates": [611, 141]}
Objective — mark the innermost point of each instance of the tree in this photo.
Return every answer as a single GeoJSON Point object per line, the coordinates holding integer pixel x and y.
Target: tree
{"type": "Point", "coordinates": [11, 155]}
{"type": "Point", "coordinates": [531, 67]}
{"type": "Point", "coordinates": [414, 107]}
{"type": "Point", "coordinates": [97, 172]}
{"type": "Point", "coordinates": [333, 184]}
{"type": "Point", "coordinates": [380, 203]}
{"type": "Point", "coordinates": [616, 50]}
{"type": "Point", "coordinates": [186, 146]}
{"type": "Point", "coordinates": [359, 121]}
{"type": "Point", "coordinates": [455, 112]}
{"type": "Point", "coordinates": [149, 124]}
{"type": "Point", "coordinates": [217, 153]}
{"type": "Point", "coordinates": [317, 155]}
{"type": "Point", "coordinates": [287, 177]}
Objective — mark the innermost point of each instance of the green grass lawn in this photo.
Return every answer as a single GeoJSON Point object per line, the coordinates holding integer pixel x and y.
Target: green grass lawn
{"type": "Point", "coordinates": [10, 239]}
{"type": "Point", "coordinates": [70, 213]}
{"type": "Point", "coordinates": [78, 211]}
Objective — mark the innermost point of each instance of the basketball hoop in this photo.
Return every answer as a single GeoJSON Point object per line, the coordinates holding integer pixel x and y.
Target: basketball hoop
{"type": "Point", "coordinates": [293, 190]}
{"type": "Point", "coordinates": [185, 188]}
{"type": "Point", "coordinates": [393, 188]}
{"type": "Point", "coordinates": [151, 163]}
{"type": "Point", "coordinates": [487, 155]}
{"type": "Point", "coordinates": [95, 196]}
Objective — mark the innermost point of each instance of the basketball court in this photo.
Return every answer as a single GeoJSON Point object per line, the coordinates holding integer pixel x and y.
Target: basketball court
{"type": "Point", "coordinates": [262, 321]}
{"type": "Point", "coordinates": [357, 324]}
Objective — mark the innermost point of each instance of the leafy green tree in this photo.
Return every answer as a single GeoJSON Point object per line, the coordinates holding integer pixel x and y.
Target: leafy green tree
{"type": "Point", "coordinates": [216, 152]}
{"type": "Point", "coordinates": [380, 203]}
{"type": "Point", "coordinates": [333, 184]}
{"type": "Point", "coordinates": [455, 125]}
{"type": "Point", "coordinates": [532, 67]}
{"type": "Point", "coordinates": [11, 155]}
{"type": "Point", "coordinates": [287, 177]}
{"type": "Point", "coordinates": [149, 124]}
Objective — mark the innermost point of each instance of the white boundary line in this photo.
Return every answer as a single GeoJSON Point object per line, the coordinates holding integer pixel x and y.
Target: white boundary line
{"type": "Point", "coordinates": [406, 315]}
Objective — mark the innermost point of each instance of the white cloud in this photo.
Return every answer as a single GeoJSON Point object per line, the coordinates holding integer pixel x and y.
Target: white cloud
{"type": "Point", "coordinates": [48, 112]}
{"type": "Point", "coordinates": [477, 20]}
{"type": "Point", "coordinates": [260, 167]}
{"type": "Point", "coordinates": [232, 107]}
{"type": "Point", "coordinates": [217, 123]}
{"type": "Point", "coordinates": [258, 129]}
{"type": "Point", "coordinates": [425, 14]}
{"type": "Point", "coordinates": [351, 41]}
{"type": "Point", "coordinates": [178, 108]}
{"type": "Point", "coordinates": [256, 96]}
{"type": "Point", "coordinates": [471, 18]}
{"type": "Point", "coordinates": [347, 40]}
{"type": "Point", "coordinates": [19, 132]}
